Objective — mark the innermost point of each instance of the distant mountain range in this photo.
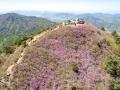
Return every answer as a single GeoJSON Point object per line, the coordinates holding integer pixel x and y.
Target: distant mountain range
{"type": "Point", "coordinates": [110, 22]}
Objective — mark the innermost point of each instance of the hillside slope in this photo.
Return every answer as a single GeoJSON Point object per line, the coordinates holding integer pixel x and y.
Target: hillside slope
{"type": "Point", "coordinates": [67, 58]}
{"type": "Point", "coordinates": [14, 26]}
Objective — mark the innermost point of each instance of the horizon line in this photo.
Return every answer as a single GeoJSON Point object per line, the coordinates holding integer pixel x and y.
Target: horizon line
{"type": "Point", "coordinates": [40, 11]}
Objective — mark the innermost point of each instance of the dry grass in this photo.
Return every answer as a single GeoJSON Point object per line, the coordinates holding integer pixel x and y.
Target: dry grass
{"type": "Point", "coordinates": [63, 58]}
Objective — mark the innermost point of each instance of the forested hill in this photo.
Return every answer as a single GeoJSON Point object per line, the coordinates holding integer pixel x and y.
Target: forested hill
{"type": "Point", "coordinates": [14, 26]}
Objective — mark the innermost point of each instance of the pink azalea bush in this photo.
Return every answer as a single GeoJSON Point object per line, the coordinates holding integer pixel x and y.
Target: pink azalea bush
{"type": "Point", "coordinates": [47, 63]}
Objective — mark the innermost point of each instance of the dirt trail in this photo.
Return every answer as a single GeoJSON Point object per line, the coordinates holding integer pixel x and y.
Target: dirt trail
{"type": "Point", "coordinates": [35, 38]}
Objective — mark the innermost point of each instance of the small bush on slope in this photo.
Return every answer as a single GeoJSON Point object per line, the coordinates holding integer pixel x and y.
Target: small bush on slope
{"type": "Point", "coordinates": [75, 68]}
{"type": "Point", "coordinates": [113, 68]}
{"type": "Point", "coordinates": [116, 37]}
{"type": "Point", "coordinates": [73, 88]}
{"type": "Point", "coordinates": [112, 64]}
{"type": "Point", "coordinates": [115, 84]}
{"type": "Point", "coordinates": [117, 42]}
{"type": "Point", "coordinates": [18, 40]}
{"type": "Point", "coordinates": [6, 49]}
{"type": "Point", "coordinates": [103, 28]}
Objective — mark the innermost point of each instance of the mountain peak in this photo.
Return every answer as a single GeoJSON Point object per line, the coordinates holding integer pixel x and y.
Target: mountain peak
{"type": "Point", "coordinates": [67, 56]}
{"type": "Point", "coordinates": [10, 16]}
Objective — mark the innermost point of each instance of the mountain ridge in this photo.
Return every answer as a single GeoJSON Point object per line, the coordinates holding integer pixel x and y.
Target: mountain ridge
{"type": "Point", "coordinates": [78, 49]}
{"type": "Point", "coordinates": [108, 21]}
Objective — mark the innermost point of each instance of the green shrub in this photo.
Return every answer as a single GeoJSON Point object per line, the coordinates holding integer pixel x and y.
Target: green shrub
{"type": "Point", "coordinates": [75, 68]}
{"type": "Point", "coordinates": [117, 40]}
{"type": "Point", "coordinates": [73, 88]}
{"type": "Point", "coordinates": [6, 49]}
{"type": "Point", "coordinates": [115, 84]}
{"type": "Point", "coordinates": [0, 61]}
{"type": "Point", "coordinates": [103, 29]}
{"type": "Point", "coordinates": [116, 37]}
{"type": "Point", "coordinates": [18, 40]}
{"type": "Point", "coordinates": [77, 88]}
{"type": "Point", "coordinates": [103, 43]}
{"type": "Point", "coordinates": [113, 67]}
{"type": "Point", "coordinates": [114, 33]}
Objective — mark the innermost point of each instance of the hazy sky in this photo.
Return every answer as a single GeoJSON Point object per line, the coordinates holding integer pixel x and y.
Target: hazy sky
{"type": "Point", "coordinates": [78, 6]}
